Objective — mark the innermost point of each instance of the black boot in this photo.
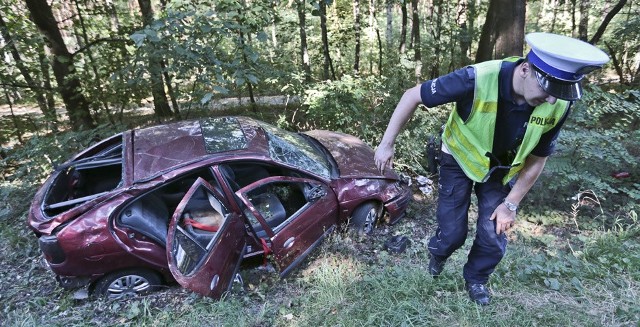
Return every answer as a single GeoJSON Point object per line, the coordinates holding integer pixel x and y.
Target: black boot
{"type": "Point", "coordinates": [478, 293]}
{"type": "Point", "coordinates": [436, 265]}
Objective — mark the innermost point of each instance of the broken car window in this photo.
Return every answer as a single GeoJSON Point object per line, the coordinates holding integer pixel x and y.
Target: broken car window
{"type": "Point", "coordinates": [294, 150]}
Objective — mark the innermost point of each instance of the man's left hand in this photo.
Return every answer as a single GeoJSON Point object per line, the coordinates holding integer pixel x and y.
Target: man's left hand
{"type": "Point", "coordinates": [505, 218]}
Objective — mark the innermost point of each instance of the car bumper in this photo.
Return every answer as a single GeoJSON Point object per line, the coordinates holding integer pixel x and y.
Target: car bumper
{"type": "Point", "coordinates": [397, 206]}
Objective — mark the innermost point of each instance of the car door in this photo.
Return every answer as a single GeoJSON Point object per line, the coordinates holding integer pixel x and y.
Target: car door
{"type": "Point", "coordinates": [206, 241]}
{"type": "Point", "coordinates": [291, 215]}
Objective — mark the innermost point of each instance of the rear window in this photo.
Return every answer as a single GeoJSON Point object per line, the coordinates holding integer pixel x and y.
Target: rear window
{"type": "Point", "coordinates": [98, 171]}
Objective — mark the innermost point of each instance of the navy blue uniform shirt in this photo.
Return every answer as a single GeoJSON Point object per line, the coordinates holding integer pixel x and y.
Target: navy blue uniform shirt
{"type": "Point", "coordinates": [511, 120]}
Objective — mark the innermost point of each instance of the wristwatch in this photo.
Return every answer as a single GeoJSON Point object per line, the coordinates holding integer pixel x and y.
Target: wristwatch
{"type": "Point", "coordinates": [511, 206]}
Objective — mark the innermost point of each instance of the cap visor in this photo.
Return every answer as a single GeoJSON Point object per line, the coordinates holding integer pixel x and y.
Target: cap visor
{"type": "Point", "coordinates": [564, 90]}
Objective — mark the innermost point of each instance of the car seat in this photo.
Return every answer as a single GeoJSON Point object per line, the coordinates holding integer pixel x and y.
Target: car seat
{"type": "Point", "coordinates": [148, 216]}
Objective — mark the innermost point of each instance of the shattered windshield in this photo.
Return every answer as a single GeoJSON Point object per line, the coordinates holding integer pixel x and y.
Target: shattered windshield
{"type": "Point", "coordinates": [293, 149]}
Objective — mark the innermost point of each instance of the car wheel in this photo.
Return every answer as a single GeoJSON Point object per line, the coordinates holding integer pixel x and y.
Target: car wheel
{"type": "Point", "coordinates": [127, 283]}
{"type": "Point", "coordinates": [364, 218]}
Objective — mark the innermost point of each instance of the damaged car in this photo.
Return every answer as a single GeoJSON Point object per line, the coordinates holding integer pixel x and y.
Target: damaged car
{"type": "Point", "coordinates": [191, 201]}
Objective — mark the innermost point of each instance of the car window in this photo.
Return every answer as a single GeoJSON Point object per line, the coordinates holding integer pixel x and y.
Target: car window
{"type": "Point", "coordinates": [294, 150]}
{"type": "Point", "coordinates": [200, 220]}
{"type": "Point", "coordinates": [85, 178]}
{"type": "Point", "coordinates": [278, 202]}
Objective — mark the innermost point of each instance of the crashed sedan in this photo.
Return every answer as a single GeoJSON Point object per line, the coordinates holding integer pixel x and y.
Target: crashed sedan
{"type": "Point", "coordinates": [190, 201]}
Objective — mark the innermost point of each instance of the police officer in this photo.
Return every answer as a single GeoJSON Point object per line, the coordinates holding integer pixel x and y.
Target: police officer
{"type": "Point", "coordinates": [508, 116]}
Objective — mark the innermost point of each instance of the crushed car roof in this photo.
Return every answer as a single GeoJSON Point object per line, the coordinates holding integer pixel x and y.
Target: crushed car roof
{"type": "Point", "coordinates": [160, 148]}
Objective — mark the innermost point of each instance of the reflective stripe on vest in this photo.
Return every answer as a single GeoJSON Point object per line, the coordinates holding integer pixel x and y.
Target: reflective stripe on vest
{"type": "Point", "coordinates": [469, 141]}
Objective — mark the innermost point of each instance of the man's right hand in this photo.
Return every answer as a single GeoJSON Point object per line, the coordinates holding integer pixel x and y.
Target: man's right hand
{"type": "Point", "coordinates": [384, 157]}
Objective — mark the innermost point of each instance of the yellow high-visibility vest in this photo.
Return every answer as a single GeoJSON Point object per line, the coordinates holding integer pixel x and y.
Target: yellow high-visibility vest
{"type": "Point", "coordinates": [471, 141]}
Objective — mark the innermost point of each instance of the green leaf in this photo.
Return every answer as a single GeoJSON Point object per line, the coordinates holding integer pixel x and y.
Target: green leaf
{"type": "Point", "coordinates": [138, 38]}
{"type": "Point", "coordinates": [206, 98]}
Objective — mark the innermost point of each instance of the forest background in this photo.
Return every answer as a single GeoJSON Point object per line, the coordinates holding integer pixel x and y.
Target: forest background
{"type": "Point", "coordinates": [74, 71]}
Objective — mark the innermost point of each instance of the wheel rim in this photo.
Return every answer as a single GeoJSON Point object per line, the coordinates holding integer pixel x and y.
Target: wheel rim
{"type": "Point", "coordinates": [370, 221]}
{"type": "Point", "coordinates": [128, 286]}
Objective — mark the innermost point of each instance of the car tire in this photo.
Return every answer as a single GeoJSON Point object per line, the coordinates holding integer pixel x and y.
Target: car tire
{"type": "Point", "coordinates": [127, 283]}
{"type": "Point", "coordinates": [364, 218]}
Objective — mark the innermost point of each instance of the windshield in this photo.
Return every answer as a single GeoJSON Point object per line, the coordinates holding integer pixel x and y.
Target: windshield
{"type": "Point", "coordinates": [294, 150]}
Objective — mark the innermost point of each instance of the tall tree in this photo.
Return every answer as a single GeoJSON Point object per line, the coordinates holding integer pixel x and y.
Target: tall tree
{"type": "Point", "coordinates": [160, 102]}
{"type": "Point", "coordinates": [328, 64]}
{"type": "Point", "coordinates": [304, 51]}
{"type": "Point", "coordinates": [403, 27]}
{"type": "Point", "coordinates": [583, 25]}
{"type": "Point", "coordinates": [356, 17]}
{"type": "Point", "coordinates": [503, 30]}
{"type": "Point", "coordinates": [415, 31]}
{"type": "Point", "coordinates": [76, 103]}
{"type": "Point", "coordinates": [389, 29]}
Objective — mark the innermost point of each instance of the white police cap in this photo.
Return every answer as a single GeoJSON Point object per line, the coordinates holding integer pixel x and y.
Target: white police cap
{"type": "Point", "coordinates": [560, 62]}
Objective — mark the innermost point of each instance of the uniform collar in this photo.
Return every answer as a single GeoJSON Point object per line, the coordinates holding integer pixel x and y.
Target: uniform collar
{"type": "Point", "coordinates": [506, 80]}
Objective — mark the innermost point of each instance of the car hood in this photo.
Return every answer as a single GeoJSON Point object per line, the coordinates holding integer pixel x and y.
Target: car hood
{"type": "Point", "coordinates": [354, 157]}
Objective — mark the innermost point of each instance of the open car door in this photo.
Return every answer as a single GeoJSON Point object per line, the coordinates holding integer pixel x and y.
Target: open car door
{"type": "Point", "coordinates": [205, 242]}
{"type": "Point", "coordinates": [290, 215]}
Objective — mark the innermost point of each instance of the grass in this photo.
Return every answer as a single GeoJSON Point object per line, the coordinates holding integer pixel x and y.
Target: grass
{"type": "Point", "coordinates": [559, 270]}
{"type": "Point", "coordinates": [352, 281]}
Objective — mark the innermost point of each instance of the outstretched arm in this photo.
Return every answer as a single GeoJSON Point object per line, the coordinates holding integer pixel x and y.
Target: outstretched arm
{"type": "Point", "coordinates": [532, 169]}
{"type": "Point", "coordinates": [404, 110]}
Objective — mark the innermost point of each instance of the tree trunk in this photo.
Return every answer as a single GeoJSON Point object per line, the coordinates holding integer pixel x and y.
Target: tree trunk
{"type": "Point", "coordinates": [415, 31]}
{"type": "Point", "coordinates": [328, 64]}
{"type": "Point", "coordinates": [70, 88]}
{"type": "Point", "coordinates": [356, 16]}
{"type": "Point", "coordinates": [510, 28]}
{"type": "Point", "coordinates": [584, 20]}
{"type": "Point", "coordinates": [389, 30]}
{"type": "Point", "coordinates": [92, 62]}
{"type": "Point", "coordinates": [503, 30]}
{"type": "Point", "coordinates": [32, 83]}
{"type": "Point", "coordinates": [160, 103]}
{"type": "Point", "coordinates": [607, 19]}
{"type": "Point", "coordinates": [304, 51]}
{"type": "Point", "coordinates": [374, 25]}
{"type": "Point", "coordinates": [436, 14]}
{"type": "Point", "coordinates": [403, 28]}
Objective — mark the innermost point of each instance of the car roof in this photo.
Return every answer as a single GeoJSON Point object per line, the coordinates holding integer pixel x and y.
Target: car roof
{"type": "Point", "coordinates": [159, 149]}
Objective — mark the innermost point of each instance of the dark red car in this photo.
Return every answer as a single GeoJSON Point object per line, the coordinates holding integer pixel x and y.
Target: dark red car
{"type": "Point", "coordinates": [189, 201]}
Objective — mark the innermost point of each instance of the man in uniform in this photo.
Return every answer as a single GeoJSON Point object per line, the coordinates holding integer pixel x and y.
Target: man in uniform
{"type": "Point", "coordinates": [507, 118]}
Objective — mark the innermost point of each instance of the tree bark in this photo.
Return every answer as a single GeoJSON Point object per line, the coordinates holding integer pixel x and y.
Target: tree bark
{"type": "Point", "coordinates": [503, 30]}
{"type": "Point", "coordinates": [389, 29]}
{"type": "Point", "coordinates": [304, 51]}
{"type": "Point", "coordinates": [415, 31]}
{"type": "Point", "coordinates": [356, 16]}
{"type": "Point", "coordinates": [160, 103]}
{"type": "Point", "coordinates": [583, 25]}
{"type": "Point", "coordinates": [403, 28]}
{"type": "Point", "coordinates": [328, 64]}
{"type": "Point", "coordinates": [70, 87]}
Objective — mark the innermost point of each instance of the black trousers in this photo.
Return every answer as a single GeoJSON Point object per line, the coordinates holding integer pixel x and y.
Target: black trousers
{"type": "Point", "coordinates": [453, 220]}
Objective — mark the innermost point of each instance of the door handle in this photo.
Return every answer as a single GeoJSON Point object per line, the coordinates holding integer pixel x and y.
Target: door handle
{"type": "Point", "coordinates": [289, 243]}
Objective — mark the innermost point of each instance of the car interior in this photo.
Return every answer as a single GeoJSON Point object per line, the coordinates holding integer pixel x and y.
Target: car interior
{"type": "Point", "coordinates": [276, 202]}
{"type": "Point", "coordinates": [84, 179]}
{"type": "Point", "coordinates": [150, 213]}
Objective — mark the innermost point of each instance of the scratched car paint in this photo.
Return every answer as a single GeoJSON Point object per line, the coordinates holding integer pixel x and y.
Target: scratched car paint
{"type": "Point", "coordinates": [190, 201]}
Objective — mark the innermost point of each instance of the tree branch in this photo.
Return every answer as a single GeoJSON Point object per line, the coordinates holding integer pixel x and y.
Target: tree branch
{"type": "Point", "coordinates": [94, 42]}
